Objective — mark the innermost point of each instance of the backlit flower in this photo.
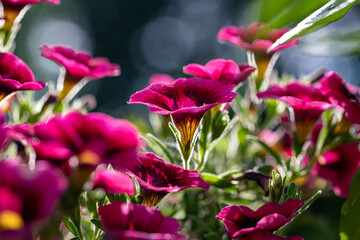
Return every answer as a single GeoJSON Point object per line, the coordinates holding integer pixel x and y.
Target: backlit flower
{"type": "Point", "coordinates": [158, 178]}
{"type": "Point", "coordinates": [113, 182]}
{"type": "Point", "coordinates": [83, 140]}
{"type": "Point", "coordinates": [256, 39]}
{"type": "Point", "coordinates": [306, 101]}
{"type": "Point", "coordinates": [339, 166]}
{"type": "Point", "coordinates": [225, 71]}
{"type": "Point", "coordinates": [243, 223]}
{"type": "Point", "coordinates": [137, 222]}
{"type": "Point", "coordinates": [186, 100]}
{"type": "Point", "coordinates": [15, 75]}
{"type": "Point", "coordinates": [342, 94]}
{"type": "Point", "coordinates": [28, 198]}
{"type": "Point", "coordinates": [13, 11]}
{"type": "Point", "coordinates": [78, 65]}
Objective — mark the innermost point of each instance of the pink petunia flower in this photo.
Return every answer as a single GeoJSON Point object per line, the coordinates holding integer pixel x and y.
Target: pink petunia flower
{"type": "Point", "coordinates": [20, 4]}
{"type": "Point", "coordinates": [82, 140]}
{"type": "Point", "coordinates": [306, 101]}
{"type": "Point", "coordinates": [243, 223]}
{"type": "Point", "coordinates": [13, 11]}
{"type": "Point", "coordinates": [113, 182]}
{"type": "Point", "coordinates": [137, 222]}
{"type": "Point", "coordinates": [339, 166]}
{"type": "Point", "coordinates": [28, 198]}
{"type": "Point", "coordinates": [158, 178]}
{"type": "Point", "coordinates": [342, 94]}
{"type": "Point", "coordinates": [225, 71]}
{"type": "Point", "coordinates": [78, 65]}
{"type": "Point", "coordinates": [256, 39]}
{"type": "Point", "coordinates": [158, 77]}
{"type": "Point", "coordinates": [186, 100]}
{"type": "Point", "coordinates": [15, 75]}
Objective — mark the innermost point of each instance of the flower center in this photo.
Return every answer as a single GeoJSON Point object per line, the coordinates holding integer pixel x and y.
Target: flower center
{"type": "Point", "coordinates": [89, 157]}
{"type": "Point", "coordinates": [10, 220]}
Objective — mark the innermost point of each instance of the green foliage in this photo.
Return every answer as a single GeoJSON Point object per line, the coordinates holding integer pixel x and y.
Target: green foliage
{"type": "Point", "coordinates": [350, 212]}
{"type": "Point", "coordinates": [330, 12]}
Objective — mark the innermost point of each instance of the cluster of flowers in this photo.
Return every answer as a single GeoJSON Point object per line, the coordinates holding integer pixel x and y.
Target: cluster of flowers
{"type": "Point", "coordinates": [62, 156]}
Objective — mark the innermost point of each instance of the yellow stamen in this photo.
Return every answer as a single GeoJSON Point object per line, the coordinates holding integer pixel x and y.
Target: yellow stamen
{"type": "Point", "coordinates": [89, 157]}
{"type": "Point", "coordinates": [10, 220]}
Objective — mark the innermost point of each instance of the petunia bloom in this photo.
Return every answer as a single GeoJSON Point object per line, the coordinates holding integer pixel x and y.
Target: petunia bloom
{"type": "Point", "coordinates": [113, 182]}
{"type": "Point", "coordinates": [306, 101]}
{"type": "Point", "coordinates": [78, 65]}
{"type": "Point", "coordinates": [28, 198]}
{"type": "Point", "coordinates": [339, 166]}
{"type": "Point", "coordinates": [186, 100]}
{"type": "Point", "coordinates": [13, 11]}
{"type": "Point", "coordinates": [83, 140]}
{"type": "Point", "coordinates": [158, 77]}
{"type": "Point", "coordinates": [243, 223]}
{"type": "Point", "coordinates": [15, 75]}
{"type": "Point", "coordinates": [256, 39]}
{"type": "Point", "coordinates": [342, 94]}
{"type": "Point", "coordinates": [158, 178]}
{"type": "Point", "coordinates": [225, 71]}
{"type": "Point", "coordinates": [137, 222]}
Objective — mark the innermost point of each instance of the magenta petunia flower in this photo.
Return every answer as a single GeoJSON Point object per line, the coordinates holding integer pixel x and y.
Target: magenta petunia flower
{"type": "Point", "coordinates": [20, 4]}
{"type": "Point", "coordinates": [186, 100]}
{"type": "Point", "coordinates": [79, 65]}
{"type": "Point", "coordinates": [158, 77]}
{"type": "Point", "coordinates": [339, 166]}
{"type": "Point", "coordinates": [225, 71]}
{"type": "Point", "coordinates": [28, 198]}
{"type": "Point", "coordinates": [136, 222]}
{"type": "Point", "coordinates": [113, 182]}
{"type": "Point", "coordinates": [84, 140]}
{"type": "Point", "coordinates": [158, 178]}
{"type": "Point", "coordinates": [306, 100]}
{"type": "Point", "coordinates": [342, 94]}
{"type": "Point", "coordinates": [255, 38]}
{"type": "Point", "coordinates": [15, 75]}
{"type": "Point", "coordinates": [243, 223]}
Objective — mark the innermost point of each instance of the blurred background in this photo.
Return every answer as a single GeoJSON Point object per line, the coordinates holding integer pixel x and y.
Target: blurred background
{"type": "Point", "coordinates": [158, 36]}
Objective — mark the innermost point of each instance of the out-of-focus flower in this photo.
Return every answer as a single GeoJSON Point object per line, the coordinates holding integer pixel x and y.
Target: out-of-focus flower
{"type": "Point", "coordinates": [186, 100]}
{"type": "Point", "coordinates": [13, 11]}
{"type": "Point", "coordinates": [307, 102]}
{"type": "Point", "coordinates": [243, 223]}
{"type": "Point", "coordinates": [113, 182]}
{"type": "Point", "coordinates": [256, 39]}
{"type": "Point", "coordinates": [78, 65]}
{"type": "Point", "coordinates": [342, 94]}
{"type": "Point", "coordinates": [28, 198]}
{"type": "Point", "coordinates": [83, 140]}
{"type": "Point", "coordinates": [15, 75]}
{"type": "Point", "coordinates": [225, 71]}
{"type": "Point", "coordinates": [20, 4]}
{"type": "Point", "coordinates": [137, 222]}
{"type": "Point", "coordinates": [339, 166]}
{"type": "Point", "coordinates": [158, 77]}
{"type": "Point", "coordinates": [158, 178]}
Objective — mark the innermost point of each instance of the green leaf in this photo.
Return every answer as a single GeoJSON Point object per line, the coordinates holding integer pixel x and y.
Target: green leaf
{"type": "Point", "coordinates": [350, 211]}
{"type": "Point", "coordinates": [162, 145]}
{"type": "Point", "coordinates": [97, 223]}
{"type": "Point", "coordinates": [330, 12]}
{"type": "Point", "coordinates": [218, 181]}
{"type": "Point", "coordinates": [69, 225]}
